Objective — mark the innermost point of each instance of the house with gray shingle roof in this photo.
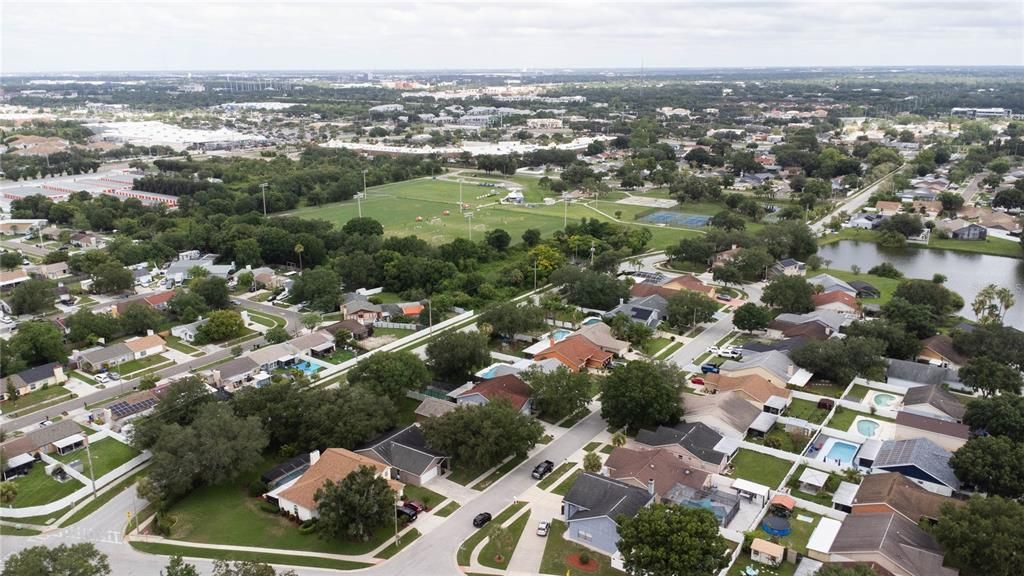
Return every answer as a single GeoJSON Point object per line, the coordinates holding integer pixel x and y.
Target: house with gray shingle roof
{"type": "Point", "coordinates": [412, 461]}
{"type": "Point", "coordinates": [934, 401]}
{"type": "Point", "coordinates": [921, 460]}
{"type": "Point", "coordinates": [830, 283]}
{"type": "Point", "coordinates": [593, 505]}
{"type": "Point", "coordinates": [907, 374]}
{"type": "Point", "coordinates": [697, 444]}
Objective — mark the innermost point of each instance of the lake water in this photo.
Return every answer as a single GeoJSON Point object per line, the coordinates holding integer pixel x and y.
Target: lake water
{"type": "Point", "coordinates": [967, 273]}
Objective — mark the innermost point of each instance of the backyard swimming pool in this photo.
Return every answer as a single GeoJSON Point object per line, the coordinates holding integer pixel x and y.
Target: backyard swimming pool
{"type": "Point", "coordinates": [867, 427]}
{"type": "Point", "coordinates": [839, 452]}
{"type": "Point", "coordinates": [561, 334]}
{"type": "Point", "coordinates": [883, 400]}
{"type": "Point", "coordinates": [309, 368]}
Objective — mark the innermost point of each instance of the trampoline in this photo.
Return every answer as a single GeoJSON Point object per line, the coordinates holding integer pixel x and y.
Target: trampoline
{"type": "Point", "coordinates": [676, 219]}
{"type": "Point", "coordinates": [776, 526]}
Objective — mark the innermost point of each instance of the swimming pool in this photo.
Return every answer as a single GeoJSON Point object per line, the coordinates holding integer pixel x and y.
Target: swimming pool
{"type": "Point", "coordinates": [867, 427]}
{"type": "Point", "coordinates": [308, 367]}
{"type": "Point", "coordinates": [561, 334]}
{"type": "Point", "coordinates": [883, 400]}
{"type": "Point", "coordinates": [590, 320]}
{"type": "Point", "coordinates": [839, 452]}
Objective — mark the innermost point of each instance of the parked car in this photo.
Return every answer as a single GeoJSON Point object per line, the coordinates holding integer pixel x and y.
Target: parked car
{"type": "Point", "coordinates": [102, 378]}
{"type": "Point", "coordinates": [417, 506]}
{"type": "Point", "coordinates": [734, 354]}
{"type": "Point", "coordinates": [709, 368]}
{"type": "Point", "coordinates": [697, 381]}
{"type": "Point", "coordinates": [714, 350]}
{"type": "Point", "coordinates": [6, 320]}
{"type": "Point", "coordinates": [115, 375]}
{"type": "Point", "coordinates": [481, 519]}
{"type": "Point", "coordinates": [724, 297]}
{"type": "Point", "coordinates": [543, 469]}
{"type": "Point", "coordinates": [543, 528]}
{"type": "Point", "coordinates": [407, 512]}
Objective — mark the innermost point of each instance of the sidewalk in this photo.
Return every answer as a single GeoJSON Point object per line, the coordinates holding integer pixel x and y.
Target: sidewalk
{"type": "Point", "coordinates": [366, 558]}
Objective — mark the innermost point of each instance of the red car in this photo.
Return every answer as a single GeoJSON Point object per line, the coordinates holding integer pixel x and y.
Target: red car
{"type": "Point", "coordinates": [697, 381]}
{"type": "Point", "coordinates": [417, 506]}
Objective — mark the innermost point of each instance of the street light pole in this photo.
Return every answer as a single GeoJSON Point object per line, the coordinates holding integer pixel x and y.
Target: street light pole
{"type": "Point", "coordinates": [92, 471]}
{"type": "Point", "coordinates": [263, 188]}
{"type": "Point", "coordinates": [359, 200]}
{"type": "Point", "coordinates": [460, 194]}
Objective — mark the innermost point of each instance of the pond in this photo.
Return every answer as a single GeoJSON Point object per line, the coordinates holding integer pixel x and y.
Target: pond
{"type": "Point", "coordinates": [967, 273]}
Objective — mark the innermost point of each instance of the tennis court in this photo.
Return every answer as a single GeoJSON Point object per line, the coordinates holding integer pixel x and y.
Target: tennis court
{"type": "Point", "coordinates": [677, 219]}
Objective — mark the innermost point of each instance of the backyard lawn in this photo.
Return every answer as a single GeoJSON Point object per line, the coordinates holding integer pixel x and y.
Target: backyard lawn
{"type": "Point", "coordinates": [107, 454]}
{"type": "Point", "coordinates": [132, 366]}
{"type": "Point", "coordinates": [34, 398]}
{"type": "Point", "coordinates": [37, 488]}
{"type": "Point", "coordinates": [396, 332]}
{"type": "Point", "coordinates": [760, 468]}
{"type": "Point", "coordinates": [338, 356]}
{"type": "Point", "coordinates": [557, 550]}
{"type": "Point", "coordinates": [797, 539]}
{"type": "Point", "coordinates": [806, 410]}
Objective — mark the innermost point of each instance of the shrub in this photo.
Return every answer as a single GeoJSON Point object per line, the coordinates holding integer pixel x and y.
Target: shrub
{"type": "Point", "coordinates": [307, 527]}
{"type": "Point", "coordinates": [257, 488]}
{"type": "Point", "coordinates": [584, 558]}
{"type": "Point", "coordinates": [269, 507]}
{"type": "Point", "coordinates": [772, 442]}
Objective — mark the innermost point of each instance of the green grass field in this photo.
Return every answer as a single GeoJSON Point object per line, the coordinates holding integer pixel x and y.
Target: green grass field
{"type": "Point", "coordinates": [107, 454]}
{"type": "Point", "coordinates": [397, 206]}
{"type": "Point", "coordinates": [760, 468]}
{"type": "Point", "coordinates": [35, 398]}
{"type": "Point", "coordinates": [37, 488]}
{"type": "Point", "coordinates": [237, 556]}
{"type": "Point", "coordinates": [557, 550]}
{"type": "Point", "coordinates": [886, 286]}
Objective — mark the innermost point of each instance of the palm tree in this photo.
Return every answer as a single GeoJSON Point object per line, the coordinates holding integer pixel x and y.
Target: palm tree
{"type": "Point", "coordinates": [1006, 301]}
{"type": "Point", "coordinates": [299, 249]}
{"type": "Point", "coordinates": [618, 439]}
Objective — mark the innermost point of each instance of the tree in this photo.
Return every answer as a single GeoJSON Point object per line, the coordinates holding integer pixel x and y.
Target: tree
{"type": "Point", "coordinates": [111, 277]}
{"type": "Point", "coordinates": [750, 317]}
{"type": "Point", "coordinates": [480, 436]}
{"type": "Point", "coordinates": [187, 306]}
{"type": "Point", "coordinates": [148, 382]}
{"type": "Point", "coordinates": [886, 270]}
{"type": "Point", "coordinates": [899, 343]}
{"type": "Point", "coordinates": [728, 220]}
{"type": "Point", "coordinates": [247, 252]}
{"type": "Point", "coordinates": [213, 290]}
{"type": "Point", "coordinates": [222, 325]}
{"type": "Point", "coordinates": [698, 250]}
{"type": "Point", "coordinates": [592, 463]}
{"type": "Point", "coordinates": [940, 299]}
{"type": "Point", "coordinates": [311, 320]}
{"type": "Point", "coordinates": [559, 393]}
{"type": "Point", "coordinates": [618, 439]}
{"type": "Point", "coordinates": [916, 319]}
{"type": "Point", "coordinates": [670, 540]}
{"type": "Point", "coordinates": [246, 568]}
{"type": "Point", "coordinates": [837, 570]}
{"type": "Point", "coordinates": [32, 297]}
{"type": "Point", "coordinates": [356, 506]}
{"type": "Point", "coordinates": [137, 318]}
{"type": "Point", "coordinates": [498, 239]}
{"type": "Point", "coordinates": [10, 260]}
{"type": "Point", "coordinates": [321, 287]}
{"type": "Point", "coordinates": [455, 356]}
{"type": "Point", "coordinates": [982, 538]}
{"type": "Point", "coordinates": [839, 360]}
{"type": "Point", "coordinates": [299, 249]}
{"type": "Point", "coordinates": [790, 294]}
{"type": "Point", "coordinates": [642, 394]}
{"type": "Point", "coordinates": [686, 309]}
{"type": "Point", "coordinates": [991, 304]}
{"type": "Point", "coordinates": [364, 226]}
{"type": "Point", "coordinates": [951, 202]}
{"type": "Point", "coordinates": [8, 492]}
{"type": "Point", "coordinates": [992, 464]}
{"type": "Point", "coordinates": [510, 318]}
{"type": "Point", "coordinates": [63, 560]}
{"type": "Point", "coordinates": [276, 335]}
{"type": "Point", "coordinates": [989, 376]}
{"type": "Point", "coordinates": [36, 343]}
{"type": "Point", "coordinates": [590, 289]}
{"type": "Point", "coordinates": [390, 374]}
{"type": "Point", "coordinates": [178, 567]}
{"type": "Point", "coordinates": [531, 237]}
{"type": "Point", "coordinates": [1001, 415]}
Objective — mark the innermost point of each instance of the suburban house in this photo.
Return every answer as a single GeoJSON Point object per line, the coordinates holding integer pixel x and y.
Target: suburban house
{"type": "Point", "coordinates": [432, 408]}
{"type": "Point", "coordinates": [837, 301]}
{"type": "Point", "coordinates": [934, 401]}
{"type": "Point", "coordinates": [647, 310]}
{"type": "Point", "coordinates": [787, 267]}
{"type": "Point", "coordinates": [866, 221]}
{"type": "Point", "coordinates": [864, 289]}
{"type": "Point", "coordinates": [600, 334]}
{"type": "Point", "coordinates": [9, 278]}
{"type": "Point", "coordinates": [60, 437]}
{"type": "Point", "coordinates": [157, 301]}
{"type": "Point", "coordinates": [920, 460]}
{"type": "Point", "coordinates": [509, 388]}
{"type": "Point", "coordinates": [593, 505]}
{"type": "Point", "coordinates": [35, 378]}
{"type": "Point", "coordinates": [357, 307]}
{"type": "Point", "coordinates": [406, 451]}
{"type": "Point", "coordinates": [727, 413]}
{"type": "Point", "coordinates": [99, 357]}
{"type": "Point", "coordinates": [697, 444]}
{"type": "Point", "coordinates": [938, 350]}
{"type": "Point", "coordinates": [128, 407]}
{"type": "Point", "coordinates": [691, 283]}
{"type": "Point", "coordinates": [578, 353]}
{"type": "Point", "coordinates": [239, 372]}
{"type": "Point", "coordinates": [829, 283]}
{"type": "Point", "coordinates": [85, 240]}
{"type": "Point", "coordinates": [266, 278]}
{"type": "Point", "coordinates": [663, 467]}
{"type": "Point", "coordinates": [882, 493]}
{"type": "Point", "coordinates": [726, 256]}
{"type": "Point", "coordinates": [353, 327]}
{"type": "Point", "coordinates": [297, 496]}
{"type": "Point", "coordinates": [188, 332]}
{"type": "Point", "coordinates": [999, 221]}
{"type": "Point", "coordinates": [181, 270]}
{"type": "Point", "coordinates": [773, 366]}
{"type": "Point", "coordinates": [752, 388]}
{"type": "Point", "coordinates": [948, 435]}
{"type": "Point", "coordinates": [319, 342]}
{"type": "Point", "coordinates": [959, 229]}
{"type": "Point", "coordinates": [273, 356]}
{"type": "Point", "coordinates": [142, 346]}
{"type": "Point", "coordinates": [819, 324]}
{"type": "Point", "coordinates": [50, 271]}
{"type": "Point", "coordinates": [890, 541]}
{"type": "Point", "coordinates": [907, 374]}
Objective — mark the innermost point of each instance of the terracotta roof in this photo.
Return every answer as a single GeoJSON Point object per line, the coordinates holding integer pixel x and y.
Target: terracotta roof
{"type": "Point", "coordinates": [752, 385]}
{"type": "Point", "coordinates": [644, 290]}
{"type": "Point", "coordinates": [161, 298]}
{"type": "Point", "coordinates": [576, 352]}
{"type": "Point", "coordinates": [833, 298]}
{"type": "Point", "coordinates": [665, 467]}
{"type": "Point", "coordinates": [144, 343]}
{"type": "Point", "coordinates": [942, 345]}
{"type": "Point", "coordinates": [783, 500]}
{"type": "Point", "coordinates": [508, 387]}
{"type": "Point", "coordinates": [902, 495]}
{"type": "Point", "coordinates": [688, 282]}
{"type": "Point", "coordinates": [334, 465]}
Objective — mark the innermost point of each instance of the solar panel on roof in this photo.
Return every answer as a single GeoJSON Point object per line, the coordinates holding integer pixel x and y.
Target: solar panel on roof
{"type": "Point", "coordinates": [123, 409]}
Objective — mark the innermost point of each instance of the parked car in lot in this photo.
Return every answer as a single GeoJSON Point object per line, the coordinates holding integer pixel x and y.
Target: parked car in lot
{"type": "Point", "coordinates": [543, 528]}
{"type": "Point", "coordinates": [407, 512]}
{"type": "Point", "coordinates": [709, 368]}
{"type": "Point", "coordinates": [543, 469]}
{"type": "Point", "coordinates": [115, 376]}
{"type": "Point", "coordinates": [481, 519]}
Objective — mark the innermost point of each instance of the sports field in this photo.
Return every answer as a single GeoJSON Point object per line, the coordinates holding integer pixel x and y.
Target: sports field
{"type": "Point", "coordinates": [418, 207]}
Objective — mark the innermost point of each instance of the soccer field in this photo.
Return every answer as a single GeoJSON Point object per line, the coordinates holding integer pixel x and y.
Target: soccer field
{"type": "Point", "coordinates": [418, 207]}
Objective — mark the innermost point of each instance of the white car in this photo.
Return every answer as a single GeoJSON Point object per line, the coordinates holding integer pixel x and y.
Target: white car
{"type": "Point", "coordinates": [6, 320]}
{"type": "Point", "coordinates": [102, 378]}
{"type": "Point", "coordinates": [543, 528]}
{"type": "Point", "coordinates": [730, 354]}
{"type": "Point", "coordinates": [714, 350]}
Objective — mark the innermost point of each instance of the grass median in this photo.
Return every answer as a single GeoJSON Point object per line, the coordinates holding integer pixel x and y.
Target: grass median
{"type": "Point", "coordinates": [235, 555]}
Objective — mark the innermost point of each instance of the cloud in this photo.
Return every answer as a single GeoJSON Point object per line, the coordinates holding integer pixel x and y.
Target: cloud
{"type": "Point", "coordinates": [338, 35]}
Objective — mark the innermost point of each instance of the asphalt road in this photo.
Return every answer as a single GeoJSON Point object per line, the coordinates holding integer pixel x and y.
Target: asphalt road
{"type": "Point", "coordinates": [30, 249]}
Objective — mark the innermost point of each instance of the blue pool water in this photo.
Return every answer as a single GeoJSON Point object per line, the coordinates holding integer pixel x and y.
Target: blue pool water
{"type": "Point", "coordinates": [843, 452]}
{"type": "Point", "coordinates": [591, 320]}
{"type": "Point", "coordinates": [867, 427]}
{"type": "Point", "coordinates": [560, 334]}
{"type": "Point", "coordinates": [308, 367]}
{"type": "Point", "coordinates": [883, 400]}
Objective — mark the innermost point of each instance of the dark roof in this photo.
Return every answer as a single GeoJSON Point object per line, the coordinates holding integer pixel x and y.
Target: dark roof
{"type": "Point", "coordinates": [41, 437]}
{"type": "Point", "coordinates": [898, 539]}
{"type": "Point", "coordinates": [38, 373]}
{"type": "Point", "coordinates": [920, 453]}
{"type": "Point", "coordinates": [943, 345]}
{"type": "Point", "coordinates": [601, 496]}
{"type": "Point", "coordinates": [863, 287]}
{"type": "Point", "coordinates": [781, 345]}
{"type": "Point", "coordinates": [935, 396]}
{"type": "Point", "coordinates": [920, 373]}
{"type": "Point", "coordinates": [285, 468]}
{"type": "Point", "coordinates": [936, 425]}
{"type": "Point", "coordinates": [133, 404]}
{"type": "Point", "coordinates": [405, 449]}
{"type": "Point", "coordinates": [697, 438]}
{"type": "Point", "coordinates": [353, 326]}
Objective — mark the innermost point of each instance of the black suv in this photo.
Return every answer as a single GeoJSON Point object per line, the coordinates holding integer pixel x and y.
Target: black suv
{"type": "Point", "coordinates": [408, 512]}
{"type": "Point", "coordinates": [543, 469]}
{"type": "Point", "coordinates": [481, 519]}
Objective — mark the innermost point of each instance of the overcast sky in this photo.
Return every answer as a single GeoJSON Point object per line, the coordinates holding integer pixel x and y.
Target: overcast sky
{"type": "Point", "coordinates": [40, 36]}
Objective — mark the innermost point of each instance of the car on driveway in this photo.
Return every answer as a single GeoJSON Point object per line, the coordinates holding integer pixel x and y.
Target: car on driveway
{"type": "Point", "coordinates": [417, 506]}
{"type": "Point", "coordinates": [543, 469]}
{"type": "Point", "coordinates": [697, 381]}
{"type": "Point", "coordinates": [709, 368]}
{"type": "Point", "coordinates": [733, 354]}
{"type": "Point", "coordinates": [115, 376]}
{"type": "Point", "coordinates": [724, 298]}
{"type": "Point", "coordinates": [481, 519]}
{"type": "Point", "coordinates": [102, 378]}
{"type": "Point", "coordinates": [407, 512]}
{"type": "Point", "coordinates": [543, 528]}
{"type": "Point", "coordinates": [714, 350]}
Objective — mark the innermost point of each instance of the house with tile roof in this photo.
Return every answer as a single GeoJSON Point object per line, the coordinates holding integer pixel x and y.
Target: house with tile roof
{"type": "Point", "coordinates": [837, 301]}
{"type": "Point", "coordinates": [600, 334]}
{"type": "Point", "coordinates": [691, 283]}
{"type": "Point", "coordinates": [890, 541]}
{"type": "Point", "coordinates": [920, 460]}
{"type": "Point", "coordinates": [883, 493]}
{"type": "Point", "coordinates": [143, 346]}
{"type": "Point", "coordinates": [593, 506]}
{"type": "Point", "coordinates": [405, 450]}
{"type": "Point", "coordinates": [727, 413]}
{"type": "Point", "coordinates": [433, 407]}
{"type": "Point", "coordinates": [509, 388]}
{"type": "Point", "coordinates": [696, 444]}
{"type": "Point", "coordinates": [297, 497]}
{"type": "Point", "coordinates": [577, 353]}
{"type": "Point", "coordinates": [752, 388]}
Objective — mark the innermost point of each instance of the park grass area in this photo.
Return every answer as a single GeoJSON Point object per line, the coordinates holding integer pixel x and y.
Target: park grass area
{"type": "Point", "coordinates": [106, 496]}
{"type": "Point", "coordinates": [403, 540]}
{"type": "Point", "coordinates": [425, 496]}
{"type": "Point", "coordinates": [82, 376]}
{"type": "Point", "coordinates": [557, 551]}
{"type": "Point", "coordinates": [268, 320]}
{"type": "Point", "coordinates": [35, 399]}
{"type": "Point", "coordinates": [176, 343]}
{"type": "Point", "coordinates": [797, 539]}
{"type": "Point", "coordinates": [133, 366]}
{"type": "Point", "coordinates": [501, 471]}
{"type": "Point", "coordinates": [36, 488]}
{"type": "Point", "coordinates": [654, 345]}
{"type": "Point", "coordinates": [448, 509]}
{"type": "Point", "coordinates": [239, 556]}
{"type": "Point", "coordinates": [396, 332]}
{"type": "Point", "coordinates": [556, 474]}
{"type": "Point", "coordinates": [6, 530]}
{"type": "Point", "coordinates": [760, 468]}
{"type": "Point", "coordinates": [418, 206]}
{"type": "Point", "coordinates": [466, 550]}
{"type": "Point", "coordinates": [488, 555]}
{"type": "Point", "coordinates": [107, 454]}
{"type": "Point", "coordinates": [886, 286]}
{"type": "Point", "coordinates": [806, 410]}
{"type": "Point", "coordinates": [563, 488]}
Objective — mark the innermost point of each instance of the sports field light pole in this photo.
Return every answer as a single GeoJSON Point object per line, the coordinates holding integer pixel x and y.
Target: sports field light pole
{"type": "Point", "coordinates": [263, 188]}
{"type": "Point", "coordinates": [469, 218]}
{"type": "Point", "coordinates": [359, 201]}
{"type": "Point", "coordinates": [460, 194]}
{"type": "Point", "coordinates": [565, 218]}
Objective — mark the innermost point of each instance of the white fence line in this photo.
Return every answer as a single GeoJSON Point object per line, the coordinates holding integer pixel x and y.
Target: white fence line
{"type": "Point", "coordinates": [397, 325]}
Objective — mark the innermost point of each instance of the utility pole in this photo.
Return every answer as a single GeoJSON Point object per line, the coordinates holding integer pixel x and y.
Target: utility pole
{"type": "Point", "coordinates": [565, 217]}
{"type": "Point", "coordinates": [535, 275]}
{"type": "Point", "coordinates": [92, 471]}
{"type": "Point", "coordinates": [460, 194]}
{"type": "Point", "coordinates": [263, 188]}
{"type": "Point", "coordinates": [592, 249]}
{"type": "Point", "coordinates": [359, 201]}
{"type": "Point", "coordinates": [430, 315]}
{"type": "Point", "coordinates": [469, 218]}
